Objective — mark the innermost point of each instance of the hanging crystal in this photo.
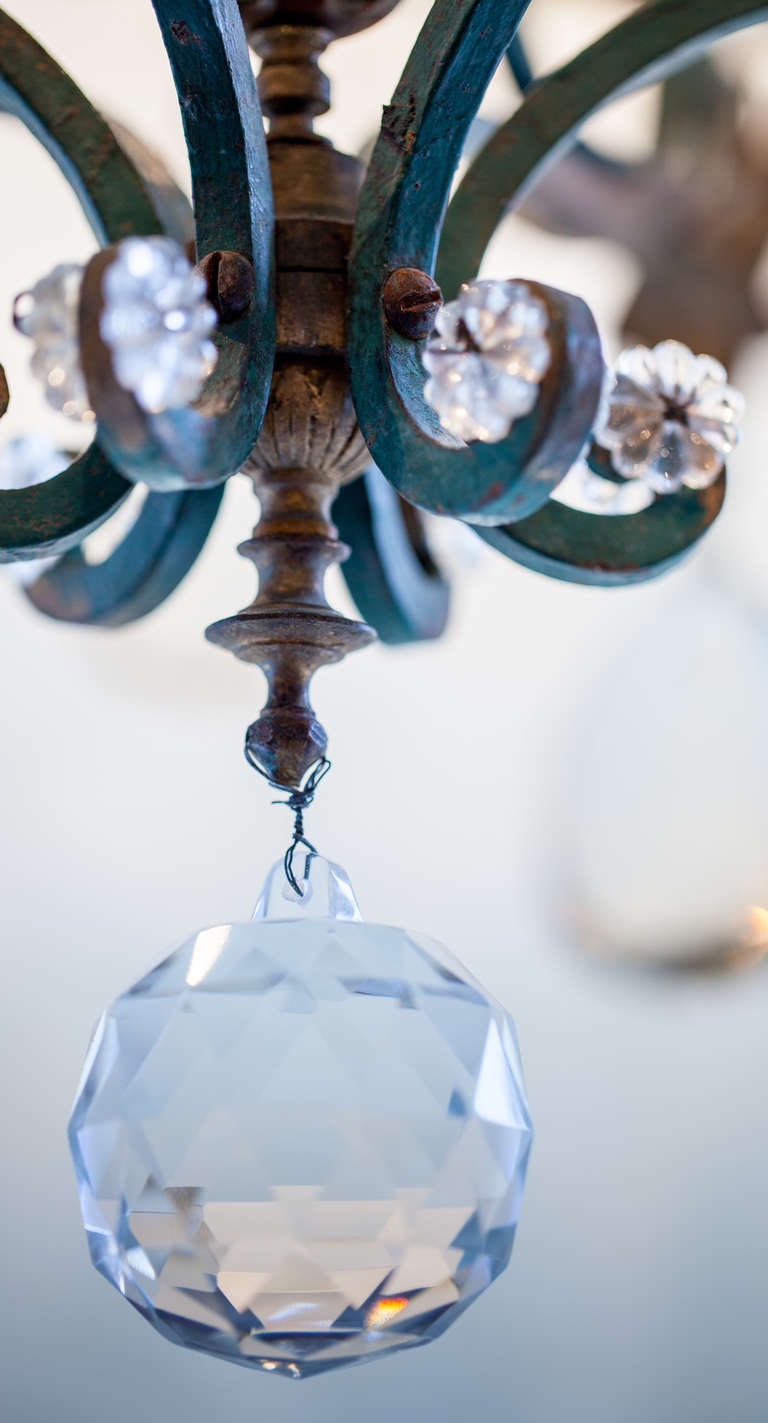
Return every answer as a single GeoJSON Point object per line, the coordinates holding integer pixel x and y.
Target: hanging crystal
{"type": "Point", "coordinates": [301, 1142]}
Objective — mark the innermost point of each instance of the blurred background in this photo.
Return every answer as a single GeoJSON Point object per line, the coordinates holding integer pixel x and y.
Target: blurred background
{"type": "Point", "coordinates": [607, 882]}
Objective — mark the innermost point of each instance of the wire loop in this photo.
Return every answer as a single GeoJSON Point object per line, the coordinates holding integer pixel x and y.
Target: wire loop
{"type": "Point", "coordinates": [298, 800]}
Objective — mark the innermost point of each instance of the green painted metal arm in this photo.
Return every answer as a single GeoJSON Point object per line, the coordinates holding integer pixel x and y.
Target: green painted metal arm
{"type": "Point", "coordinates": [396, 585]}
{"type": "Point", "coordinates": [233, 211]}
{"type": "Point", "coordinates": [400, 212]}
{"type": "Point", "coordinates": [558, 541]}
{"type": "Point", "coordinates": [147, 565]}
{"type": "Point", "coordinates": [645, 47]}
{"type": "Point", "coordinates": [155, 554]}
{"type": "Point", "coordinates": [50, 518]}
{"type": "Point", "coordinates": [609, 551]}
{"type": "Point", "coordinates": [116, 201]}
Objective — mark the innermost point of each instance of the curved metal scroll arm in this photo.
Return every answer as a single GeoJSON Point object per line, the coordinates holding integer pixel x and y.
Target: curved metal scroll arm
{"type": "Point", "coordinates": [147, 565]}
{"type": "Point", "coordinates": [48, 519]}
{"type": "Point", "coordinates": [395, 583]}
{"type": "Point", "coordinates": [401, 206]}
{"type": "Point", "coordinates": [643, 48]}
{"type": "Point", "coordinates": [232, 196]}
{"type": "Point", "coordinates": [121, 194]}
{"type": "Point", "coordinates": [156, 553]}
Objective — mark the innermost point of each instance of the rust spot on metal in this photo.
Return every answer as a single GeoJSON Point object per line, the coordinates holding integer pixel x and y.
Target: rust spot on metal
{"type": "Point", "coordinates": [5, 394]}
{"type": "Point", "coordinates": [181, 32]}
{"type": "Point", "coordinates": [397, 122]}
{"type": "Point", "coordinates": [229, 282]}
{"type": "Point", "coordinates": [412, 300]}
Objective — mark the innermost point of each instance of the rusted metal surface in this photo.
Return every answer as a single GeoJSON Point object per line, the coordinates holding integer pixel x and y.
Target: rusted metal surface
{"type": "Point", "coordinates": [339, 17]}
{"type": "Point", "coordinates": [292, 87]}
{"type": "Point", "coordinates": [290, 629]}
{"type": "Point", "coordinates": [309, 442]}
{"type": "Point", "coordinates": [411, 300]}
{"type": "Point", "coordinates": [229, 284]}
{"type": "Point", "coordinates": [5, 394]}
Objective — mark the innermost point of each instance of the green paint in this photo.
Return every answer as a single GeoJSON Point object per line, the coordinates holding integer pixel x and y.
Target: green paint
{"type": "Point", "coordinates": [232, 197]}
{"type": "Point", "coordinates": [401, 208]}
{"type": "Point", "coordinates": [608, 551]}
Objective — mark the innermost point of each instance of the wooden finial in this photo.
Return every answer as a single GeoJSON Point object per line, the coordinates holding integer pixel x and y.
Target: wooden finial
{"type": "Point", "coordinates": [290, 629]}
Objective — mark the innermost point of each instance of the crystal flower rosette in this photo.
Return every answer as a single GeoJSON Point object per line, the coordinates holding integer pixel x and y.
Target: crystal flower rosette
{"type": "Point", "coordinates": [302, 1143]}
{"type": "Point", "coordinates": [669, 418]}
{"type": "Point", "coordinates": [486, 359]}
{"type": "Point", "coordinates": [158, 323]}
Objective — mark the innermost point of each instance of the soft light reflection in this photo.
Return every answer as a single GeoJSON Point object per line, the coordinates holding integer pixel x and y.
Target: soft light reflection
{"type": "Point", "coordinates": [744, 947]}
{"type": "Point", "coordinates": [753, 946]}
{"type": "Point", "coordinates": [208, 947]}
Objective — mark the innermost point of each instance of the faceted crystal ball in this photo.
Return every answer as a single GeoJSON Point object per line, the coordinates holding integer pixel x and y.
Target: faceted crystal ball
{"type": "Point", "coordinates": [301, 1142]}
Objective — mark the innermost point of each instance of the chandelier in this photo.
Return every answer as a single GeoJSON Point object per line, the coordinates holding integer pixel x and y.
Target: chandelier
{"type": "Point", "coordinates": [301, 1141]}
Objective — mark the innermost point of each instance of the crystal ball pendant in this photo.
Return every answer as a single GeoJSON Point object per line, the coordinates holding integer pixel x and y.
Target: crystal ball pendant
{"type": "Point", "coordinates": [301, 1141]}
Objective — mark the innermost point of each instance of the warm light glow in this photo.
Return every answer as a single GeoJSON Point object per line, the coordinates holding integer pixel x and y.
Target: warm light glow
{"type": "Point", "coordinates": [385, 1310]}
{"type": "Point", "coordinates": [758, 925]}
{"type": "Point", "coordinates": [753, 944]}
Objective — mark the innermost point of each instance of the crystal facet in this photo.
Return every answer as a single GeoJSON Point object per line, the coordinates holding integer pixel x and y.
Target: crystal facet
{"type": "Point", "coordinates": [49, 315]}
{"type": "Point", "coordinates": [486, 358]}
{"type": "Point", "coordinates": [157, 323]}
{"type": "Point", "coordinates": [670, 418]}
{"type": "Point", "coordinates": [301, 1143]}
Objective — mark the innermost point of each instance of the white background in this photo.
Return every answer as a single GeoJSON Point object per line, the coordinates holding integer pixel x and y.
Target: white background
{"type": "Point", "coordinates": [564, 757]}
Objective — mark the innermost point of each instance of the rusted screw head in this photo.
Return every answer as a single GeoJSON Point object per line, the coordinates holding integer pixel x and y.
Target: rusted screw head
{"type": "Point", "coordinates": [412, 300]}
{"type": "Point", "coordinates": [5, 395]}
{"type": "Point", "coordinates": [230, 283]}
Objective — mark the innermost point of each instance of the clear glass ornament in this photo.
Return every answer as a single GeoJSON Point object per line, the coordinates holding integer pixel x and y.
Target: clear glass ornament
{"type": "Point", "coordinates": [158, 323]}
{"type": "Point", "coordinates": [49, 316]}
{"type": "Point", "coordinates": [301, 1141]}
{"type": "Point", "coordinates": [486, 359]}
{"type": "Point", "coordinates": [670, 417]}
{"type": "Point", "coordinates": [155, 319]}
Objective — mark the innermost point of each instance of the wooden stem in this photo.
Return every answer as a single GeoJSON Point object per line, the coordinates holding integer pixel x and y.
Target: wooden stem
{"type": "Point", "coordinates": [290, 629]}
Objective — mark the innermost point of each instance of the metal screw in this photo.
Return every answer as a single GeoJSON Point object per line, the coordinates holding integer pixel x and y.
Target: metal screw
{"type": "Point", "coordinates": [230, 284]}
{"type": "Point", "coordinates": [5, 394]}
{"type": "Point", "coordinates": [412, 300]}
